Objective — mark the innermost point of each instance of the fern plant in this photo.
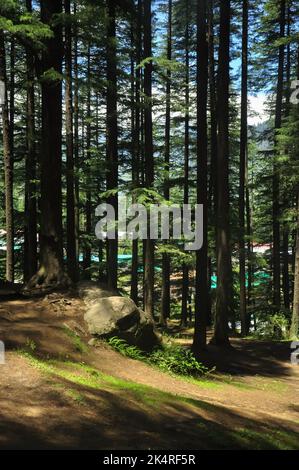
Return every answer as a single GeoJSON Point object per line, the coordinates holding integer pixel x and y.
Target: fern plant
{"type": "Point", "coordinates": [170, 358]}
{"type": "Point", "coordinates": [125, 349]}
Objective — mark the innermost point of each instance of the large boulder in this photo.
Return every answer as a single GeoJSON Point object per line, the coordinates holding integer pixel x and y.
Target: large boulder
{"type": "Point", "coordinates": [109, 314]}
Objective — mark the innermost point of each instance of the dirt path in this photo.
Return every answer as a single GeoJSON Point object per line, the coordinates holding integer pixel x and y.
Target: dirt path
{"type": "Point", "coordinates": [126, 404]}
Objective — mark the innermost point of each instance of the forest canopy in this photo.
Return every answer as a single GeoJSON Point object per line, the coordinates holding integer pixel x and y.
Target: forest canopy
{"type": "Point", "coordinates": [165, 102]}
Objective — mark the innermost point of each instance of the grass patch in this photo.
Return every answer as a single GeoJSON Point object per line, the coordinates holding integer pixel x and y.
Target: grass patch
{"type": "Point", "coordinates": [205, 431]}
{"type": "Point", "coordinates": [271, 385]}
{"type": "Point", "coordinates": [78, 344]}
{"type": "Point", "coordinates": [76, 397]}
{"type": "Point", "coordinates": [268, 440]}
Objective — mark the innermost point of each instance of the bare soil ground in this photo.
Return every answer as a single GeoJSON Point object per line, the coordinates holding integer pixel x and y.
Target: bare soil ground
{"type": "Point", "coordinates": [94, 398]}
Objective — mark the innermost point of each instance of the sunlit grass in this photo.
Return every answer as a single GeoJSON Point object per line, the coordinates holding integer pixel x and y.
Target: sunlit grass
{"type": "Point", "coordinates": [151, 400]}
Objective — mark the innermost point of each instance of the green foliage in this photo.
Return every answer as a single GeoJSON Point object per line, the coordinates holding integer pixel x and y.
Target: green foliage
{"type": "Point", "coordinates": [273, 327]}
{"type": "Point", "coordinates": [177, 360]}
{"type": "Point", "coordinates": [51, 75]}
{"type": "Point", "coordinates": [30, 345]}
{"type": "Point", "coordinates": [125, 349]}
{"type": "Point", "coordinates": [169, 358]}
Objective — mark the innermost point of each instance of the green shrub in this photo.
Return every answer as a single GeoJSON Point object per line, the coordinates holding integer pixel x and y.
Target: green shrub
{"type": "Point", "coordinates": [177, 360]}
{"type": "Point", "coordinates": [169, 358]}
{"type": "Point", "coordinates": [273, 327]}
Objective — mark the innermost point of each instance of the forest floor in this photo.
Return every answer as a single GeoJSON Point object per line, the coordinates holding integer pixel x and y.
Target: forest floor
{"type": "Point", "coordinates": [58, 392]}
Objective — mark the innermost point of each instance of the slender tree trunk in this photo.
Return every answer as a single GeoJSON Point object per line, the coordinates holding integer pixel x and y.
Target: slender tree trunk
{"type": "Point", "coordinates": [112, 135]}
{"type": "Point", "coordinates": [185, 268]}
{"type": "Point", "coordinates": [213, 191]}
{"type": "Point", "coordinates": [249, 241]}
{"type": "Point", "coordinates": [294, 331]}
{"type": "Point", "coordinates": [276, 176]}
{"type": "Point", "coordinates": [243, 158]}
{"type": "Point", "coordinates": [88, 224]}
{"type": "Point", "coordinates": [136, 136]}
{"type": "Point", "coordinates": [165, 299]}
{"type": "Point", "coordinates": [149, 157]}
{"type": "Point", "coordinates": [213, 113]}
{"type": "Point", "coordinates": [76, 137]}
{"type": "Point", "coordinates": [201, 287]}
{"type": "Point", "coordinates": [224, 268]}
{"type": "Point", "coordinates": [72, 256]}
{"type": "Point", "coordinates": [51, 270]}
{"type": "Point", "coordinates": [286, 230]}
{"type": "Point", "coordinates": [285, 274]}
{"type": "Point", "coordinates": [12, 92]}
{"type": "Point", "coordinates": [30, 239]}
{"type": "Point", "coordinates": [8, 167]}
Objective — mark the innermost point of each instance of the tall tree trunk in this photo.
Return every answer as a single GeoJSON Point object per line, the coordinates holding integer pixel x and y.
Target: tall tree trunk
{"type": "Point", "coordinates": [294, 331]}
{"type": "Point", "coordinates": [112, 134]}
{"type": "Point", "coordinates": [165, 299]}
{"type": "Point", "coordinates": [276, 176]}
{"type": "Point", "coordinates": [72, 256]}
{"type": "Point", "coordinates": [201, 287]}
{"type": "Point", "coordinates": [149, 157]}
{"type": "Point", "coordinates": [286, 230]}
{"type": "Point", "coordinates": [243, 158]}
{"type": "Point", "coordinates": [213, 113]}
{"type": "Point", "coordinates": [136, 89]}
{"type": "Point", "coordinates": [224, 268]}
{"type": "Point", "coordinates": [213, 194]}
{"type": "Point", "coordinates": [88, 228]}
{"type": "Point", "coordinates": [51, 270]}
{"type": "Point", "coordinates": [185, 268]}
{"type": "Point", "coordinates": [249, 237]}
{"type": "Point", "coordinates": [76, 136]}
{"type": "Point", "coordinates": [30, 238]}
{"type": "Point", "coordinates": [8, 168]}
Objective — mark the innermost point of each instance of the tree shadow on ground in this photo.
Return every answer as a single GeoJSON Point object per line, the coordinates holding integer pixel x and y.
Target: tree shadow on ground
{"type": "Point", "coordinates": [47, 418]}
{"type": "Point", "coordinates": [245, 357]}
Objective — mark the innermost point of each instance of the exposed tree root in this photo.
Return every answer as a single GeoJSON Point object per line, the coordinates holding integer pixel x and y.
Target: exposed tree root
{"type": "Point", "coordinates": [44, 282]}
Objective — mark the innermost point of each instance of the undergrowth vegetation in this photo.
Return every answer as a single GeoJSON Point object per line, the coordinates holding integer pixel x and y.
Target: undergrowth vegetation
{"type": "Point", "coordinates": [272, 327]}
{"type": "Point", "coordinates": [169, 357]}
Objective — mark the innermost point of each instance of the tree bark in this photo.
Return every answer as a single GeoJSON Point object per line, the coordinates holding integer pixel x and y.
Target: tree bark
{"type": "Point", "coordinates": [72, 255]}
{"type": "Point", "coordinates": [201, 287]}
{"type": "Point", "coordinates": [51, 270]}
{"type": "Point", "coordinates": [136, 105]}
{"type": "Point", "coordinates": [224, 268]}
{"type": "Point", "coordinates": [185, 268]}
{"type": "Point", "coordinates": [294, 331]}
{"type": "Point", "coordinates": [213, 114]}
{"type": "Point", "coordinates": [243, 159]}
{"type": "Point", "coordinates": [87, 165]}
{"type": "Point", "coordinates": [30, 238]}
{"type": "Point", "coordinates": [112, 136]}
{"type": "Point", "coordinates": [165, 298]}
{"type": "Point", "coordinates": [76, 136]}
{"type": "Point", "coordinates": [8, 167]}
{"type": "Point", "coordinates": [149, 157]}
{"type": "Point", "coordinates": [286, 230]}
{"type": "Point", "coordinates": [276, 176]}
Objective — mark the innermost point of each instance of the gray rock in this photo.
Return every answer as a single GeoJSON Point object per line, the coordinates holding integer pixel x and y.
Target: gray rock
{"type": "Point", "coordinates": [109, 314]}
